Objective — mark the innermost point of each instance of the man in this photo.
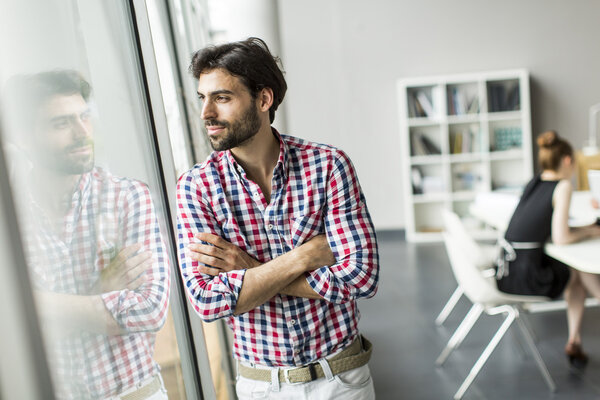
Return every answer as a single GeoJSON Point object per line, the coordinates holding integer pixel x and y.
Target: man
{"type": "Point", "coordinates": [97, 260]}
{"type": "Point", "coordinates": [275, 236]}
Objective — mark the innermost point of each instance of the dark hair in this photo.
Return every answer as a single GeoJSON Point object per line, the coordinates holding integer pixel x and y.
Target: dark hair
{"type": "Point", "coordinates": [251, 61]}
{"type": "Point", "coordinates": [552, 149]}
{"type": "Point", "coordinates": [25, 94]}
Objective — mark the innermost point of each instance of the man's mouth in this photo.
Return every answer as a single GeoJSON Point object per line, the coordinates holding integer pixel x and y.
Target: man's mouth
{"type": "Point", "coordinates": [81, 150]}
{"type": "Point", "coordinates": [214, 129]}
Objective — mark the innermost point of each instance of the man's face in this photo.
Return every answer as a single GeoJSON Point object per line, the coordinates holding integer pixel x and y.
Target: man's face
{"type": "Point", "coordinates": [228, 110]}
{"type": "Point", "coordinates": [63, 135]}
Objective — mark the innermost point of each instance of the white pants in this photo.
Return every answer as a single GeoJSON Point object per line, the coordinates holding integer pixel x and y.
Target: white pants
{"type": "Point", "coordinates": [355, 384]}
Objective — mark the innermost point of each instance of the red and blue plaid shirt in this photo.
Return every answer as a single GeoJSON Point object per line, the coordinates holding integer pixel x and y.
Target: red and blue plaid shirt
{"type": "Point", "coordinates": [106, 214]}
{"type": "Point", "coordinates": [314, 190]}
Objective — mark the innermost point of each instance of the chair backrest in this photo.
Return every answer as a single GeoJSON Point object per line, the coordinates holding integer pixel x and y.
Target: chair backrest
{"type": "Point", "coordinates": [454, 226]}
{"type": "Point", "coordinates": [477, 287]}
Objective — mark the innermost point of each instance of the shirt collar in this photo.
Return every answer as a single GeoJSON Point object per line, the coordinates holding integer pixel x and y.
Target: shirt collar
{"type": "Point", "coordinates": [282, 162]}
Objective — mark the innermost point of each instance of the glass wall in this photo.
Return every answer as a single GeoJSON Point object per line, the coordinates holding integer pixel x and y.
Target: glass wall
{"type": "Point", "coordinates": [90, 203]}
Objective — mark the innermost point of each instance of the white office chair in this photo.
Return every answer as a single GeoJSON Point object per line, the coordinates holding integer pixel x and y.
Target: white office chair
{"type": "Point", "coordinates": [483, 254]}
{"type": "Point", "coordinates": [481, 290]}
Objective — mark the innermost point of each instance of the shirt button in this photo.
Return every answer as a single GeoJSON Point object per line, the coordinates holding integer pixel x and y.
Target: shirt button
{"type": "Point", "coordinates": [270, 227]}
{"type": "Point", "coordinates": [297, 351]}
{"type": "Point", "coordinates": [255, 195]}
{"type": "Point", "coordinates": [292, 322]}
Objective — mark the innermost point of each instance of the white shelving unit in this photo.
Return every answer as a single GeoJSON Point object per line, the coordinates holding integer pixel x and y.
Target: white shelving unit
{"type": "Point", "coordinates": [461, 134]}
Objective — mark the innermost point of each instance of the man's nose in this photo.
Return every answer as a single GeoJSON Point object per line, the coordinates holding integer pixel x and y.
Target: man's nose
{"type": "Point", "coordinates": [208, 110]}
{"type": "Point", "coordinates": [80, 128]}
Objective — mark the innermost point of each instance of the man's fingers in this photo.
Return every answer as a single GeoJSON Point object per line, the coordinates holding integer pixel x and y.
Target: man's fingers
{"type": "Point", "coordinates": [137, 259]}
{"type": "Point", "coordinates": [206, 249]}
{"type": "Point", "coordinates": [138, 270]}
{"type": "Point", "coordinates": [137, 282]}
{"type": "Point", "coordinates": [127, 252]}
{"type": "Point", "coordinates": [208, 260]}
{"type": "Point", "coordinates": [208, 270]}
{"type": "Point", "coordinates": [212, 239]}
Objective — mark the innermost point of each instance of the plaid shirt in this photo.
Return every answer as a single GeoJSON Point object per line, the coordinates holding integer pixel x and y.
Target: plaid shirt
{"type": "Point", "coordinates": [107, 214]}
{"type": "Point", "coordinates": [314, 190]}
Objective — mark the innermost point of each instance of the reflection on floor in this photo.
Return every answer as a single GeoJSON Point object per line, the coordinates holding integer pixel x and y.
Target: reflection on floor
{"type": "Point", "coordinates": [415, 283]}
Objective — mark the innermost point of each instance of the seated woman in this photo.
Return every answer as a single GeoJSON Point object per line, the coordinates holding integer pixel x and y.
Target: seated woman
{"type": "Point", "coordinates": [543, 213]}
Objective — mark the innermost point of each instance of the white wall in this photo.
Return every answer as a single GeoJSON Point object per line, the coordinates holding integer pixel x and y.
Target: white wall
{"type": "Point", "coordinates": [343, 58]}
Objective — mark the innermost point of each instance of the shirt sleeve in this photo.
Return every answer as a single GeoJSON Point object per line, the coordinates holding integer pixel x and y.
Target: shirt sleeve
{"type": "Point", "coordinates": [352, 239]}
{"type": "Point", "coordinates": [212, 297]}
{"type": "Point", "coordinates": [145, 308]}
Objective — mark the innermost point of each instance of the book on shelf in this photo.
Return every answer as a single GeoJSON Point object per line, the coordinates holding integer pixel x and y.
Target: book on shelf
{"type": "Point", "coordinates": [423, 145]}
{"type": "Point", "coordinates": [417, 180]}
{"type": "Point", "coordinates": [464, 141]}
{"type": "Point", "coordinates": [461, 101]}
{"type": "Point", "coordinates": [423, 103]}
{"type": "Point", "coordinates": [504, 96]}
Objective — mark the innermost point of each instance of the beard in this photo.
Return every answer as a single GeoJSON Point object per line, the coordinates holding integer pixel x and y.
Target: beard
{"type": "Point", "coordinates": [65, 163]}
{"type": "Point", "coordinates": [236, 133]}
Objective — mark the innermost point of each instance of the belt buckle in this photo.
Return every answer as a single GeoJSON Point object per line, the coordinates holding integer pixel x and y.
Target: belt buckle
{"type": "Point", "coordinates": [286, 376]}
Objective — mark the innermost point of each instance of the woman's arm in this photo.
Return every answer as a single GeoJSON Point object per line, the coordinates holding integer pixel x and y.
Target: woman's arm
{"type": "Point", "coordinates": [561, 232]}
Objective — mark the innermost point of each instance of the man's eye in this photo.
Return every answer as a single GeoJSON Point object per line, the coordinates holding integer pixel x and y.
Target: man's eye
{"type": "Point", "coordinates": [222, 98]}
{"type": "Point", "coordinates": [85, 116]}
{"type": "Point", "coordinates": [60, 124]}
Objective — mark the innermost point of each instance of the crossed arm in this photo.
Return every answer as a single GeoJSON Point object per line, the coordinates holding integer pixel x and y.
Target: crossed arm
{"type": "Point", "coordinates": [284, 274]}
{"type": "Point", "coordinates": [131, 292]}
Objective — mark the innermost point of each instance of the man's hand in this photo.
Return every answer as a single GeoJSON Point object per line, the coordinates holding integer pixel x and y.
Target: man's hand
{"type": "Point", "coordinates": [125, 271]}
{"type": "Point", "coordinates": [219, 255]}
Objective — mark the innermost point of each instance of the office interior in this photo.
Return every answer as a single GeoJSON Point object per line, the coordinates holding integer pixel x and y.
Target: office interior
{"type": "Point", "coordinates": [343, 61]}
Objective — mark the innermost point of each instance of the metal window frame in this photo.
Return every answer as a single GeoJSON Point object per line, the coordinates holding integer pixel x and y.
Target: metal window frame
{"type": "Point", "coordinates": [190, 336]}
{"type": "Point", "coordinates": [25, 373]}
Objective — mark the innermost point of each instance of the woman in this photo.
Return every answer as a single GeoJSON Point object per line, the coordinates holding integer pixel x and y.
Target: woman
{"type": "Point", "coordinates": [543, 213]}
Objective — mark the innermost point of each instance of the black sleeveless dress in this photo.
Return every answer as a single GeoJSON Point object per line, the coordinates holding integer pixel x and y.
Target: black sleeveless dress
{"type": "Point", "coordinates": [533, 272]}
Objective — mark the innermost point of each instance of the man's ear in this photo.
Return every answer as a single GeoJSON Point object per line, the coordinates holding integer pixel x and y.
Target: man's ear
{"type": "Point", "coordinates": [265, 99]}
{"type": "Point", "coordinates": [568, 160]}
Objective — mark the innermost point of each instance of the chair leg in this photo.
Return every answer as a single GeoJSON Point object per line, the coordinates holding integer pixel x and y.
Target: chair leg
{"type": "Point", "coordinates": [516, 337]}
{"type": "Point", "coordinates": [536, 355]}
{"type": "Point", "coordinates": [441, 318]}
{"type": "Point", "coordinates": [460, 333]}
{"type": "Point", "coordinates": [511, 315]}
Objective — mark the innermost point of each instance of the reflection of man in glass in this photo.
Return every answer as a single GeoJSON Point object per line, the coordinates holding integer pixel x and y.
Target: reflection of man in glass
{"type": "Point", "coordinates": [97, 259]}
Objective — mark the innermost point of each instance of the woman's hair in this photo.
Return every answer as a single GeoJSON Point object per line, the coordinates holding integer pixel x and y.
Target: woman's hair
{"type": "Point", "coordinates": [251, 61]}
{"type": "Point", "coordinates": [552, 149]}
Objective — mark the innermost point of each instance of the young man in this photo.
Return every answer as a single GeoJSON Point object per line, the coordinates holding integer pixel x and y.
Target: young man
{"type": "Point", "coordinates": [274, 235]}
{"type": "Point", "coordinates": [97, 260]}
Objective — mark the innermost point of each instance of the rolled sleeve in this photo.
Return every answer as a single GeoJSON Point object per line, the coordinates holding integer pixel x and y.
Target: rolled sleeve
{"type": "Point", "coordinates": [212, 297]}
{"type": "Point", "coordinates": [145, 308]}
{"type": "Point", "coordinates": [352, 239]}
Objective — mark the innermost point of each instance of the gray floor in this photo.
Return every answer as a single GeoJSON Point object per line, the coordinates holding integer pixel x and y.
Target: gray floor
{"type": "Point", "coordinates": [415, 283]}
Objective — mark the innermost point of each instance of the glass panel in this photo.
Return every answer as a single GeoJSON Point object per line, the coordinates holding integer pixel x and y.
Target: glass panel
{"type": "Point", "coordinates": [85, 178]}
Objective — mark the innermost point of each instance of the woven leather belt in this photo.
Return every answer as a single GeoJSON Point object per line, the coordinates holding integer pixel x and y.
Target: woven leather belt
{"type": "Point", "coordinates": [145, 391]}
{"type": "Point", "coordinates": [349, 358]}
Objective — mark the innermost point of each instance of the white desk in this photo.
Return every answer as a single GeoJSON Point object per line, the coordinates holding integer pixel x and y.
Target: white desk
{"type": "Point", "coordinates": [585, 255]}
{"type": "Point", "coordinates": [496, 210]}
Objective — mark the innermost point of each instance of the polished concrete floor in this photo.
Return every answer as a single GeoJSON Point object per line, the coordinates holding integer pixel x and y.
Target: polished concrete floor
{"type": "Point", "coordinates": [415, 282]}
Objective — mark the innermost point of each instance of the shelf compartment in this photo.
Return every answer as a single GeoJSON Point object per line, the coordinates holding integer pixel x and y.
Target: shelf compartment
{"type": "Point", "coordinates": [462, 98]}
{"type": "Point", "coordinates": [427, 217]}
{"type": "Point", "coordinates": [505, 135]}
{"type": "Point", "coordinates": [468, 177]}
{"type": "Point", "coordinates": [464, 138]}
{"type": "Point", "coordinates": [425, 141]}
{"type": "Point", "coordinates": [503, 95]}
{"type": "Point", "coordinates": [428, 179]}
{"type": "Point", "coordinates": [424, 101]}
{"type": "Point", "coordinates": [508, 174]}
